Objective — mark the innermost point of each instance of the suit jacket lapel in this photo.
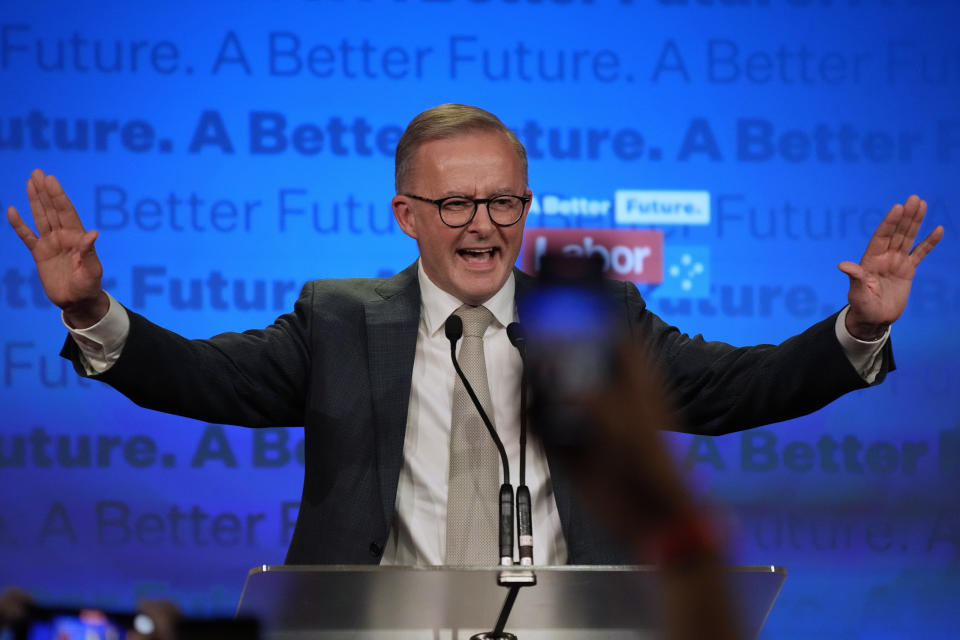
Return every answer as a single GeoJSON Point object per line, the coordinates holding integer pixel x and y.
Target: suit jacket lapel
{"type": "Point", "coordinates": [392, 322]}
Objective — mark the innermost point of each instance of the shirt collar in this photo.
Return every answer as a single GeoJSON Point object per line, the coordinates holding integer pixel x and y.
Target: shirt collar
{"type": "Point", "coordinates": [436, 305]}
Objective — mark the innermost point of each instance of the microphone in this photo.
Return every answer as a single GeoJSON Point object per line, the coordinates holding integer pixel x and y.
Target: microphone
{"type": "Point", "coordinates": [518, 339]}
{"type": "Point", "coordinates": [453, 328]}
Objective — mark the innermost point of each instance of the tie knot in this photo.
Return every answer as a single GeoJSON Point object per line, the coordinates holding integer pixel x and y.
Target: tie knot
{"type": "Point", "coordinates": [475, 320]}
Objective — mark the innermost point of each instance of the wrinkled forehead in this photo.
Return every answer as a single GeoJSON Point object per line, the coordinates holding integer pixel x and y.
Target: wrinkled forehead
{"type": "Point", "coordinates": [484, 158]}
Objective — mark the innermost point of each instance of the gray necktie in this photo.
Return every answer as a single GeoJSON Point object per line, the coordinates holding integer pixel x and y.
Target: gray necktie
{"type": "Point", "coordinates": [472, 493]}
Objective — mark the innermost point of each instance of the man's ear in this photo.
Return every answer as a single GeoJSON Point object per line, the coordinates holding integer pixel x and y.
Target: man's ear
{"type": "Point", "coordinates": [526, 209]}
{"type": "Point", "coordinates": [403, 212]}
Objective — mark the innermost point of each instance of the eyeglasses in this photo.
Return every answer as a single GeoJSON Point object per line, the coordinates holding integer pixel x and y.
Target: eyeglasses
{"type": "Point", "coordinates": [458, 211]}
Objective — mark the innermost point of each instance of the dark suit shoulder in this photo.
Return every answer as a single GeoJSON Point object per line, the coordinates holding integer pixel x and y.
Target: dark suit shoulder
{"type": "Point", "coordinates": [344, 292]}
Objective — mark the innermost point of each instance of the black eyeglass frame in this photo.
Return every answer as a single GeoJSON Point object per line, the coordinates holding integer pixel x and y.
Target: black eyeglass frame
{"type": "Point", "coordinates": [524, 200]}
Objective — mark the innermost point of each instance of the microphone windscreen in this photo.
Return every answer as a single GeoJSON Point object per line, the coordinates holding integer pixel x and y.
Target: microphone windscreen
{"type": "Point", "coordinates": [516, 334]}
{"type": "Point", "coordinates": [453, 327]}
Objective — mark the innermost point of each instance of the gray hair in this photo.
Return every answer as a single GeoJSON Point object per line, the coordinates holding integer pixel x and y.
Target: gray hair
{"type": "Point", "coordinates": [448, 121]}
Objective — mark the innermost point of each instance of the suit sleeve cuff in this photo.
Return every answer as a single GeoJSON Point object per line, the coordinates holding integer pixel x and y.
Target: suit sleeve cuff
{"type": "Point", "coordinates": [101, 344]}
{"type": "Point", "coordinates": [866, 356]}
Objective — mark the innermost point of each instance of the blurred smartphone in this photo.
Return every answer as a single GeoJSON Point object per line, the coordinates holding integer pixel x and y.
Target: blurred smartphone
{"type": "Point", "coordinates": [47, 623]}
{"type": "Point", "coordinates": [44, 623]}
{"type": "Point", "coordinates": [573, 336]}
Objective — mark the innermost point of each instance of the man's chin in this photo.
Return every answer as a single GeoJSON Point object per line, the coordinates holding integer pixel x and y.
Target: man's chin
{"type": "Point", "coordinates": [478, 288]}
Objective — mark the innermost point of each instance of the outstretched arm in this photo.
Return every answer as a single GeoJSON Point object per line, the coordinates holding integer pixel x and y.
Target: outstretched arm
{"type": "Point", "coordinates": [880, 284]}
{"type": "Point", "coordinates": [67, 263]}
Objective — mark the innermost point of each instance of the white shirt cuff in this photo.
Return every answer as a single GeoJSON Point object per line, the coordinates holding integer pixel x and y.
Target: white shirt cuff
{"type": "Point", "coordinates": [865, 355]}
{"type": "Point", "coordinates": [101, 344]}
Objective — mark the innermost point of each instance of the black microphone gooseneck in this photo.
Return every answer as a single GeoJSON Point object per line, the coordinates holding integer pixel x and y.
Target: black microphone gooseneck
{"type": "Point", "coordinates": [453, 328]}
{"type": "Point", "coordinates": [524, 503]}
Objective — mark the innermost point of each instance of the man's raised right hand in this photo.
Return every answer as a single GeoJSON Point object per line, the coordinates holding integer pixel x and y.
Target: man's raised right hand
{"type": "Point", "coordinates": [67, 263]}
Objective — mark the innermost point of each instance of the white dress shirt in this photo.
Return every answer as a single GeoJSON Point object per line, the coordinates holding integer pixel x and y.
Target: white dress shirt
{"type": "Point", "coordinates": [418, 536]}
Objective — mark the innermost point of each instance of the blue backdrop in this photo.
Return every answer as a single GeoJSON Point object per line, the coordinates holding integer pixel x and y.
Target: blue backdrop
{"type": "Point", "coordinates": [231, 151]}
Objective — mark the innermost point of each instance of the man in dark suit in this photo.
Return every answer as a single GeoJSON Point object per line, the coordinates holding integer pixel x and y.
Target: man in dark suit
{"type": "Point", "coordinates": [360, 363]}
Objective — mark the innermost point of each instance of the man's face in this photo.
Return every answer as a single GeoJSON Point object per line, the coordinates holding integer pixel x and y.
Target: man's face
{"type": "Point", "coordinates": [470, 262]}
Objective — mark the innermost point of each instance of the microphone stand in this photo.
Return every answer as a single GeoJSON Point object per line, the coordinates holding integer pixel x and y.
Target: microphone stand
{"type": "Point", "coordinates": [454, 329]}
{"type": "Point", "coordinates": [512, 579]}
{"type": "Point", "coordinates": [524, 503]}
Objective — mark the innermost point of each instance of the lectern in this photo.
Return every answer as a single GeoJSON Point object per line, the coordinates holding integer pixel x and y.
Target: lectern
{"type": "Point", "coordinates": [447, 603]}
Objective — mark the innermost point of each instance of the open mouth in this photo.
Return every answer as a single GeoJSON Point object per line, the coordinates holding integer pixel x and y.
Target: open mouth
{"type": "Point", "coordinates": [478, 256]}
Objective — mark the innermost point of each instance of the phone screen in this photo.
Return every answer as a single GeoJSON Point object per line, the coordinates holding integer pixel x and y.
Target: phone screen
{"type": "Point", "coordinates": [78, 624]}
{"type": "Point", "coordinates": [573, 335]}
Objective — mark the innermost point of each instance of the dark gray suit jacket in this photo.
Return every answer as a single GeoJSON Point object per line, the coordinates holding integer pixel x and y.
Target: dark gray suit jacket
{"type": "Point", "coordinates": [341, 365]}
